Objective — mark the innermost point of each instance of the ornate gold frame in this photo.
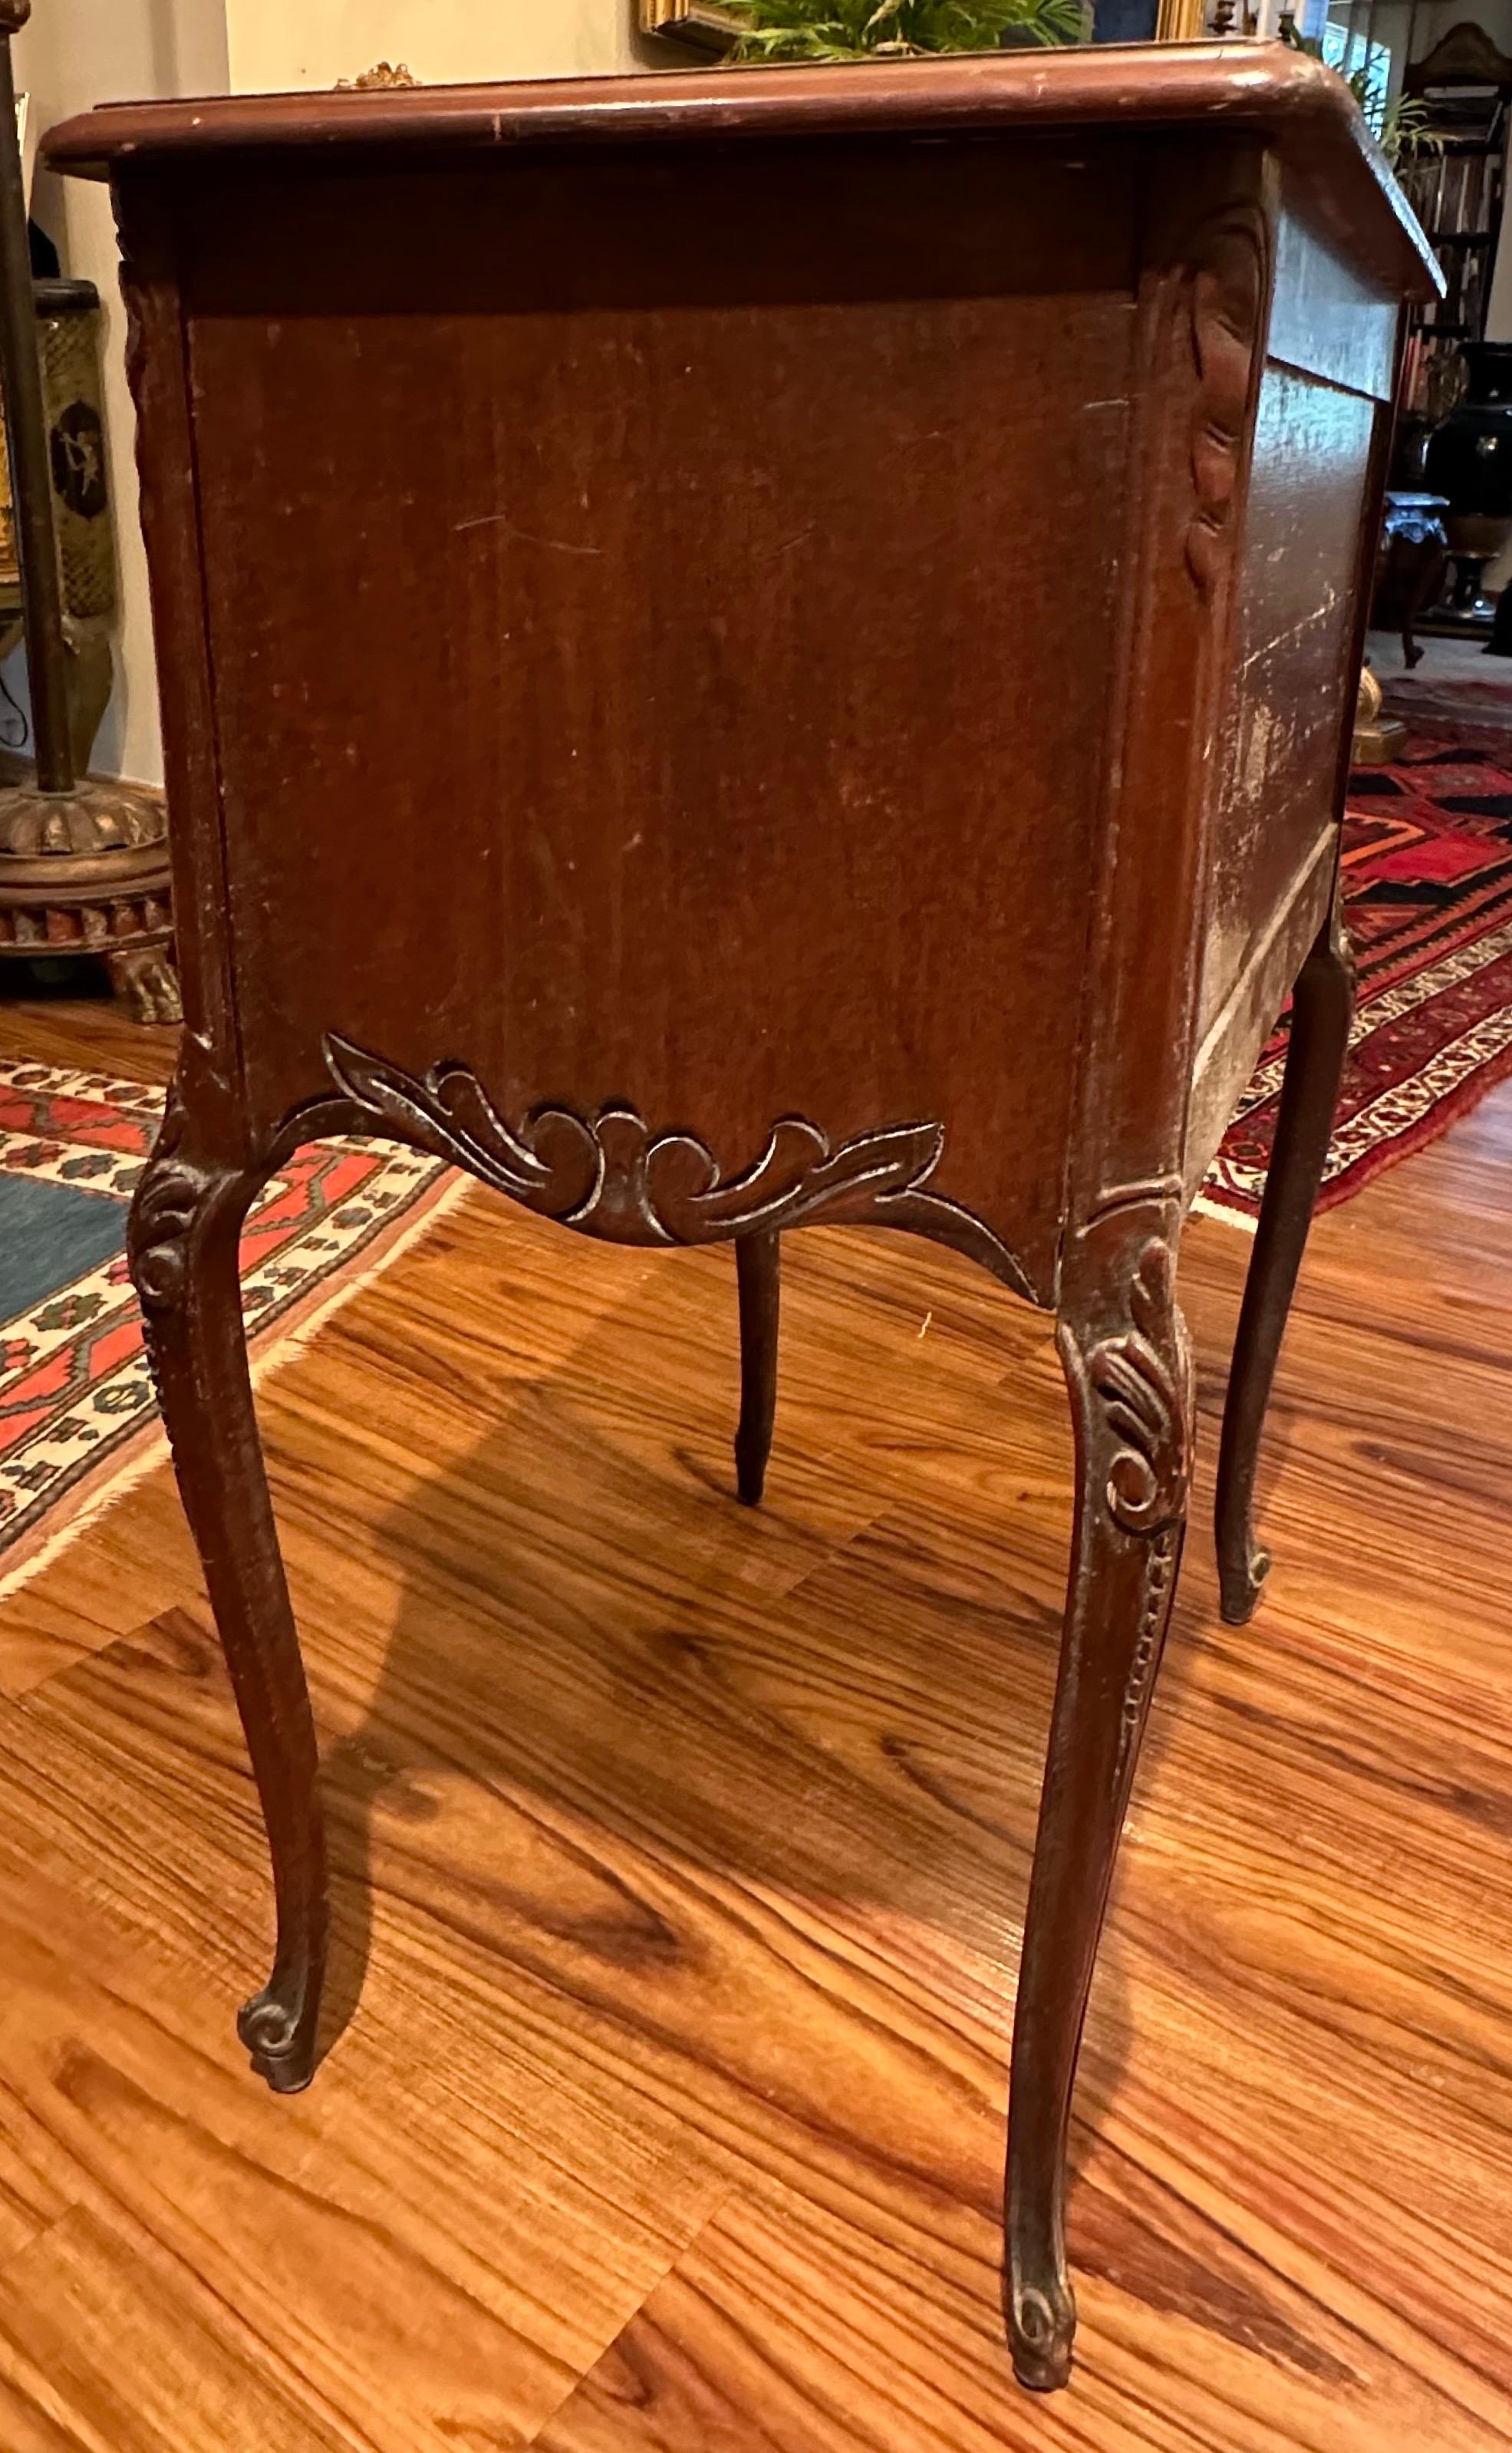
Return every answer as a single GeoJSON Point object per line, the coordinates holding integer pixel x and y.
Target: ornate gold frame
{"type": "Point", "coordinates": [697, 23]}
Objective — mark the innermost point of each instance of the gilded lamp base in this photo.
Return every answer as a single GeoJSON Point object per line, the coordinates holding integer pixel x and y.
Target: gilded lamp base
{"type": "Point", "coordinates": [86, 873]}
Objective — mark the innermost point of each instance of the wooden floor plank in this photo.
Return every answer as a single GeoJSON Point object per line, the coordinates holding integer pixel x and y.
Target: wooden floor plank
{"type": "Point", "coordinates": [521, 2253]}
{"type": "Point", "coordinates": [138, 1561]}
{"type": "Point", "coordinates": [118, 2343]}
{"type": "Point", "coordinates": [785, 2331]}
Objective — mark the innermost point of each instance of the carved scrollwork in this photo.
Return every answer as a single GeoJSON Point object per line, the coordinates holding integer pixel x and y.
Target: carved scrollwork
{"type": "Point", "coordinates": [1043, 2325]}
{"type": "Point", "coordinates": [1160, 1576]}
{"type": "Point", "coordinates": [1226, 293]}
{"type": "Point", "coordinates": [611, 1176]}
{"type": "Point", "coordinates": [133, 303]}
{"type": "Point", "coordinates": [273, 2026]}
{"type": "Point", "coordinates": [1144, 1402]}
{"type": "Point", "coordinates": [1138, 1395]}
{"type": "Point", "coordinates": [172, 1191]}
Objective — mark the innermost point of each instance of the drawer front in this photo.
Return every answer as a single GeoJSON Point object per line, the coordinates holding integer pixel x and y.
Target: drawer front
{"type": "Point", "coordinates": [1325, 321]}
{"type": "Point", "coordinates": [645, 660]}
{"type": "Point", "coordinates": [1292, 685]}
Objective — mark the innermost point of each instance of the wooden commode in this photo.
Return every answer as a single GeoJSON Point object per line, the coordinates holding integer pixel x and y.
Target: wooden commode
{"type": "Point", "coordinates": [748, 651]}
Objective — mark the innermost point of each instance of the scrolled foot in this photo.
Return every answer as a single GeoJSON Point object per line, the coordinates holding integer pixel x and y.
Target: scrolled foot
{"type": "Point", "coordinates": [278, 2028]}
{"type": "Point", "coordinates": [1041, 2328]}
{"type": "Point", "coordinates": [146, 980]}
{"type": "Point", "coordinates": [1240, 1581]}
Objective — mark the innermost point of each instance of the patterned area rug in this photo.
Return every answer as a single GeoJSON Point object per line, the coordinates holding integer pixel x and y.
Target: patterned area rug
{"type": "Point", "coordinates": [1428, 889]}
{"type": "Point", "coordinates": [1457, 693]}
{"type": "Point", "coordinates": [78, 1419]}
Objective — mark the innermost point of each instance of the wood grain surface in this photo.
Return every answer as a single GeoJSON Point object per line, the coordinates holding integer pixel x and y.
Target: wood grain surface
{"type": "Point", "coordinates": [742, 698]}
{"type": "Point", "coordinates": [680, 1853]}
{"type": "Point", "coordinates": [1333, 164]}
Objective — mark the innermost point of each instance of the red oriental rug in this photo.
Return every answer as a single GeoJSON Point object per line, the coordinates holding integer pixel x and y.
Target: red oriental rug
{"type": "Point", "coordinates": [78, 1419]}
{"type": "Point", "coordinates": [1429, 901]}
{"type": "Point", "coordinates": [1468, 708]}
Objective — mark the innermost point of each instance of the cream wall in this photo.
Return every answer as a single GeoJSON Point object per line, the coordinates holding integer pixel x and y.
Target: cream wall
{"type": "Point", "coordinates": [77, 52]}
{"type": "Point", "coordinates": [277, 44]}
{"type": "Point", "coordinates": [73, 54]}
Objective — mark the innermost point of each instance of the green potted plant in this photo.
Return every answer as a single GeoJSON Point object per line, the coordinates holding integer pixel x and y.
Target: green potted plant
{"type": "Point", "coordinates": [868, 30]}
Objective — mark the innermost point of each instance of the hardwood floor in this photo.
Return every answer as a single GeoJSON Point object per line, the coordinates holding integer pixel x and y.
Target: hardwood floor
{"type": "Point", "coordinates": [681, 1856]}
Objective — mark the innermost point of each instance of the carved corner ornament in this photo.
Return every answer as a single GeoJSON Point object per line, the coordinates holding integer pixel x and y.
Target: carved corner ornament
{"type": "Point", "coordinates": [1227, 283]}
{"type": "Point", "coordinates": [609, 1175]}
{"type": "Point", "coordinates": [1135, 1392]}
{"type": "Point", "coordinates": [172, 1194]}
{"type": "Point", "coordinates": [1143, 1399]}
{"type": "Point", "coordinates": [182, 1198]}
{"type": "Point", "coordinates": [133, 307]}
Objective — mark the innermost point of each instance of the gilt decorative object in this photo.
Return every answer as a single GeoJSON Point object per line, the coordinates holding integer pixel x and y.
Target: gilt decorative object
{"type": "Point", "coordinates": [918, 823]}
{"type": "Point", "coordinates": [67, 343]}
{"type": "Point", "coordinates": [385, 78]}
{"type": "Point", "coordinates": [84, 864]}
{"type": "Point", "coordinates": [699, 23]}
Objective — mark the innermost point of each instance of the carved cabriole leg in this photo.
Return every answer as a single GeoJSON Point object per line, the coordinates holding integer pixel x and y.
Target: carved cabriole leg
{"type": "Point", "coordinates": [1125, 1352]}
{"type": "Point", "coordinates": [758, 1267]}
{"type": "Point", "coordinates": [1323, 1002]}
{"type": "Point", "coordinates": [184, 1229]}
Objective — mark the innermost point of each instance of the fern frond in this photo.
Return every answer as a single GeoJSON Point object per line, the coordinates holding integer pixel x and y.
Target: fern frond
{"type": "Point", "coordinates": [836, 29]}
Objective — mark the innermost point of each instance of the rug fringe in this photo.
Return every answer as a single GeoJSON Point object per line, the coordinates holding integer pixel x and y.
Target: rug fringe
{"type": "Point", "coordinates": [139, 1463]}
{"type": "Point", "coordinates": [144, 1457]}
{"type": "Point", "coordinates": [384, 1252]}
{"type": "Point", "coordinates": [1204, 1207]}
